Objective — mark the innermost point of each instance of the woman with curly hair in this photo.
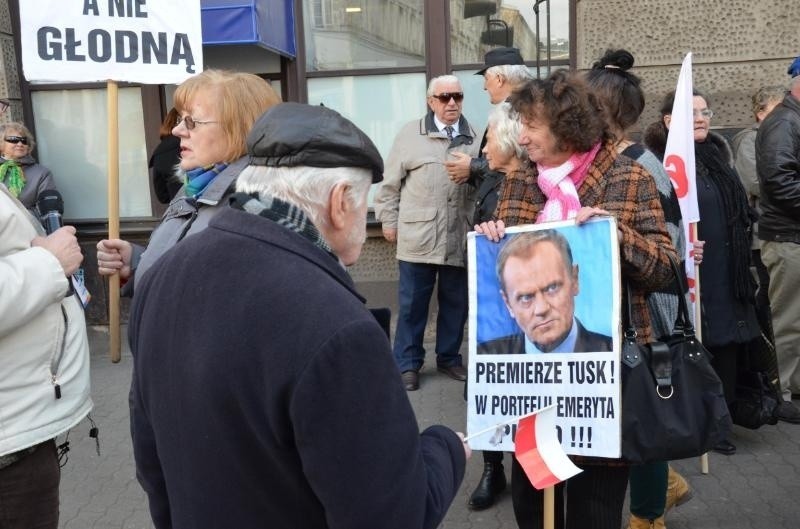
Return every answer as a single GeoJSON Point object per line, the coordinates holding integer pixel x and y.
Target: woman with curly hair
{"type": "Point", "coordinates": [577, 173]}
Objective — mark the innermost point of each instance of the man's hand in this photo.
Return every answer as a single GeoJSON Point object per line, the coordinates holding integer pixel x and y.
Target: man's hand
{"type": "Point", "coordinates": [64, 246]}
{"type": "Point", "coordinates": [458, 167]}
{"type": "Point", "coordinates": [467, 449]}
{"type": "Point", "coordinates": [390, 234]}
{"type": "Point", "coordinates": [114, 255]}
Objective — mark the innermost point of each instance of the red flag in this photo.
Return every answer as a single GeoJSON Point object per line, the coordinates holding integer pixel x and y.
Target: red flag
{"type": "Point", "coordinates": [539, 451]}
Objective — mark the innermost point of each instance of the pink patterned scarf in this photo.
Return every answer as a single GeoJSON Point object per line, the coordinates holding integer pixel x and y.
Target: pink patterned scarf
{"type": "Point", "coordinates": [559, 184]}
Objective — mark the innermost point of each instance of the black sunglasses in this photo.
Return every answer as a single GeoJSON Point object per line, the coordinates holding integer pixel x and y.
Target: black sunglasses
{"type": "Point", "coordinates": [445, 97]}
{"type": "Point", "coordinates": [16, 139]}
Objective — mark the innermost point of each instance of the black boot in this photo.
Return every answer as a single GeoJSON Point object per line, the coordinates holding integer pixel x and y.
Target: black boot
{"type": "Point", "coordinates": [492, 483]}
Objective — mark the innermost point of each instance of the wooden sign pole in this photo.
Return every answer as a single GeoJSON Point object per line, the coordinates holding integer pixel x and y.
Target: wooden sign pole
{"type": "Point", "coordinates": [113, 216]}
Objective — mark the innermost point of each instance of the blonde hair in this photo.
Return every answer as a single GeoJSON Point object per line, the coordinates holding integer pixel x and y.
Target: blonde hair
{"type": "Point", "coordinates": [20, 129]}
{"type": "Point", "coordinates": [240, 98]}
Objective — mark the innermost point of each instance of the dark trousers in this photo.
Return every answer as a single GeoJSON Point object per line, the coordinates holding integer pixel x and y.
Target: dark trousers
{"type": "Point", "coordinates": [594, 498]}
{"type": "Point", "coordinates": [416, 286]}
{"type": "Point", "coordinates": [763, 309]}
{"type": "Point", "coordinates": [29, 490]}
{"type": "Point", "coordinates": [725, 361]}
{"type": "Point", "coordinates": [649, 489]}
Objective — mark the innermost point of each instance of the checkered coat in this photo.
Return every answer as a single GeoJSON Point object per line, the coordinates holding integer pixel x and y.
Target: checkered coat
{"type": "Point", "coordinates": [625, 189]}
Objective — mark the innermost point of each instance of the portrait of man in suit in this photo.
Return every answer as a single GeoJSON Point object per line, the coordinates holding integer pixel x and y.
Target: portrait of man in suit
{"type": "Point", "coordinates": [538, 283]}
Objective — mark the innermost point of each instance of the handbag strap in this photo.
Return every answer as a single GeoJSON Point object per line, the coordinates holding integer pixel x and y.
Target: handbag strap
{"type": "Point", "coordinates": [660, 353]}
{"type": "Point", "coordinates": [683, 323]}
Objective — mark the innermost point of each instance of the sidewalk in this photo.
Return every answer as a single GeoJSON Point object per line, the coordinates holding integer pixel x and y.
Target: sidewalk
{"type": "Point", "coordinates": [757, 488]}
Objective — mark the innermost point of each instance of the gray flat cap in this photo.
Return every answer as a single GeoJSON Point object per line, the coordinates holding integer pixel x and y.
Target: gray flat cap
{"type": "Point", "coordinates": [292, 134]}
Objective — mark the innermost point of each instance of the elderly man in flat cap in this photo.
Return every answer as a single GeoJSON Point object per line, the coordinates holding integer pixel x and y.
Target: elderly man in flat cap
{"type": "Point", "coordinates": [264, 392]}
{"type": "Point", "coordinates": [778, 165]}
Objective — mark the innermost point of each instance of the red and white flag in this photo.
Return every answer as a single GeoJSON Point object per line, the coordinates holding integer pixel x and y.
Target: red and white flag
{"type": "Point", "coordinates": [539, 451]}
{"type": "Point", "coordinates": [679, 160]}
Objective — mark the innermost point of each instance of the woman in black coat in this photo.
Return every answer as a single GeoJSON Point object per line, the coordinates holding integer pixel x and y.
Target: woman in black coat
{"type": "Point", "coordinates": [165, 159]}
{"type": "Point", "coordinates": [727, 299]}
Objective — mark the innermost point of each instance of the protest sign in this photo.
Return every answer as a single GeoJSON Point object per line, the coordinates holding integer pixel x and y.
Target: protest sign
{"type": "Point", "coordinates": [143, 41]}
{"type": "Point", "coordinates": [559, 303]}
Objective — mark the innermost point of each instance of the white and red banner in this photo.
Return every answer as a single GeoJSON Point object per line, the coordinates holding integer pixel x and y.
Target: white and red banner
{"type": "Point", "coordinates": [679, 160]}
{"type": "Point", "coordinates": [539, 451]}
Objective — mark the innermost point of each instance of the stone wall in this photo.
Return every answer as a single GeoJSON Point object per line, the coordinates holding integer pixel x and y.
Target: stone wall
{"type": "Point", "coordinates": [737, 46]}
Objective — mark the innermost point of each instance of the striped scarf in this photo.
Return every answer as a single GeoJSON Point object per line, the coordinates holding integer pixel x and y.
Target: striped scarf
{"type": "Point", "coordinates": [559, 184]}
{"type": "Point", "coordinates": [197, 180]}
{"type": "Point", "coordinates": [284, 213]}
{"type": "Point", "coordinates": [12, 176]}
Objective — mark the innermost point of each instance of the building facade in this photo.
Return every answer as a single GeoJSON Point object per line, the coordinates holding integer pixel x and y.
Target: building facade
{"type": "Point", "coordinates": [371, 60]}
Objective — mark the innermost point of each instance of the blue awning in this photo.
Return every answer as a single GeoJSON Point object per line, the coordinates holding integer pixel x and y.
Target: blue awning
{"type": "Point", "coordinates": [266, 23]}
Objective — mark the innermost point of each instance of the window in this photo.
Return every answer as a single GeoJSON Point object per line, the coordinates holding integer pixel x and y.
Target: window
{"type": "Point", "coordinates": [378, 104]}
{"type": "Point", "coordinates": [476, 26]}
{"type": "Point", "coordinates": [72, 140]}
{"type": "Point", "coordinates": [356, 34]}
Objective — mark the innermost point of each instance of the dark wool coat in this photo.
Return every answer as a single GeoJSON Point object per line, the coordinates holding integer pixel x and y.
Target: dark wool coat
{"type": "Point", "coordinates": [265, 394]}
{"type": "Point", "coordinates": [627, 191]}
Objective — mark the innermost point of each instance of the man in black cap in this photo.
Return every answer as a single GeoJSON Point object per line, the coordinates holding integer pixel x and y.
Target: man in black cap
{"type": "Point", "coordinates": [504, 71]}
{"type": "Point", "coordinates": [264, 392]}
{"type": "Point", "coordinates": [778, 166]}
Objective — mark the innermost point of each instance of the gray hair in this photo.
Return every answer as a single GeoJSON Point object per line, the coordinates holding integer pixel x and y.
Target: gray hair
{"type": "Point", "coordinates": [515, 74]}
{"type": "Point", "coordinates": [441, 78]}
{"type": "Point", "coordinates": [522, 245]}
{"type": "Point", "coordinates": [766, 95]}
{"type": "Point", "coordinates": [506, 127]}
{"type": "Point", "coordinates": [308, 188]}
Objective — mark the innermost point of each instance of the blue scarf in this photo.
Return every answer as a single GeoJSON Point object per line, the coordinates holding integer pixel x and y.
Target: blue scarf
{"type": "Point", "coordinates": [198, 179]}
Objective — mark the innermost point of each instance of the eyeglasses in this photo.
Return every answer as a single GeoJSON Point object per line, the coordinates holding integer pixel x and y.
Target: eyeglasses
{"type": "Point", "coordinates": [445, 97]}
{"type": "Point", "coordinates": [4, 105]}
{"type": "Point", "coordinates": [706, 113]}
{"type": "Point", "coordinates": [16, 139]}
{"type": "Point", "coordinates": [190, 122]}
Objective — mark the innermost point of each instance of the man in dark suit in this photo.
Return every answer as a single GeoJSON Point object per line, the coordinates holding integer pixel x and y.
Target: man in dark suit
{"type": "Point", "coordinates": [538, 283]}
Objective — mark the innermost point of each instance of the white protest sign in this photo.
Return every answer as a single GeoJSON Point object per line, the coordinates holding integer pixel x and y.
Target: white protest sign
{"type": "Point", "coordinates": [552, 291]}
{"type": "Point", "coordinates": [143, 41]}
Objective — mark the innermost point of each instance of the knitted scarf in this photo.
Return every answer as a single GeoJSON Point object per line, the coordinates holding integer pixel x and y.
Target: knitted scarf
{"type": "Point", "coordinates": [12, 176]}
{"type": "Point", "coordinates": [198, 179]}
{"type": "Point", "coordinates": [738, 214]}
{"type": "Point", "coordinates": [559, 184]}
{"type": "Point", "coordinates": [287, 215]}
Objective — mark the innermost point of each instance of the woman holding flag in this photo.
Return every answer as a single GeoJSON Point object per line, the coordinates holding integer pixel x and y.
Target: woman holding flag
{"type": "Point", "coordinates": [727, 297]}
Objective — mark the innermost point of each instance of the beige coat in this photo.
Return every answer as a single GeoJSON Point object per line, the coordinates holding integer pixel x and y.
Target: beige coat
{"type": "Point", "coordinates": [431, 213]}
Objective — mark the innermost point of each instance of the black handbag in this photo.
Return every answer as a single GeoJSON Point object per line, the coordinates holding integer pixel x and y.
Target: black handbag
{"type": "Point", "coordinates": [673, 406]}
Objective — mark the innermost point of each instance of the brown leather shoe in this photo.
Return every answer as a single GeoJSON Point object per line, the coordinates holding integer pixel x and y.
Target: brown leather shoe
{"type": "Point", "coordinates": [410, 380]}
{"type": "Point", "coordinates": [455, 372]}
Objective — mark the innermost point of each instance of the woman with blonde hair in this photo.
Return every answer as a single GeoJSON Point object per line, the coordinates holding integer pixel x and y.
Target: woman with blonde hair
{"type": "Point", "coordinates": [216, 110]}
{"type": "Point", "coordinates": [24, 177]}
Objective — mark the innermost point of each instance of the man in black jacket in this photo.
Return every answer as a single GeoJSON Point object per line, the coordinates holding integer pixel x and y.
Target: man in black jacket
{"type": "Point", "coordinates": [264, 393]}
{"type": "Point", "coordinates": [778, 164]}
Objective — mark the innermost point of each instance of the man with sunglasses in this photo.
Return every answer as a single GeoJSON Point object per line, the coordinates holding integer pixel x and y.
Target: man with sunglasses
{"type": "Point", "coordinates": [427, 215]}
